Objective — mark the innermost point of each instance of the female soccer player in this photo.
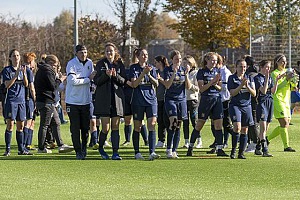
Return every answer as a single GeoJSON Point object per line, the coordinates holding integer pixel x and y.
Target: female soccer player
{"type": "Point", "coordinates": [210, 102]}
{"type": "Point", "coordinates": [281, 99]}
{"type": "Point", "coordinates": [15, 80]}
{"type": "Point", "coordinates": [241, 87]}
{"type": "Point", "coordinates": [110, 79]}
{"type": "Point", "coordinates": [143, 80]}
{"type": "Point", "coordinates": [264, 110]}
{"type": "Point", "coordinates": [176, 81]}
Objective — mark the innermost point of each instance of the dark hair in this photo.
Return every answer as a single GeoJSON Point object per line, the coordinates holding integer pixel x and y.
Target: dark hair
{"type": "Point", "coordinates": [263, 63]}
{"type": "Point", "coordinates": [9, 55]}
{"type": "Point", "coordinates": [136, 54]}
{"type": "Point", "coordinates": [174, 53]}
{"type": "Point", "coordinates": [51, 59]}
{"type": "Point", "coordinates": [249, 60]}
{"type": "Point", "coordinates": [298, 63]}
{"type": "Point", "coordinates": [239, 61]}
{"type": "Point", "coordinates": [163, 60]}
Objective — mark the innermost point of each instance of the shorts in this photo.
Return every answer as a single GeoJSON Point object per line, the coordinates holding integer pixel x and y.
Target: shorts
{"type": "Point", "coordinates": [139, 111]}
{"type": "Point", "coordinates": [295, 97]}
{"type": "Point", "coordinates": [281, 110]}
{"type": "Point", "coordinates": [210, 106]}
{"type": "Point", "coordinates": [264, 111]}
{"type": "Point", "coordinates": [15, 111]}
{"type": "Point", "coordinates": [176, 108]}
{"type": "Point", "coordinates": [241, 114]}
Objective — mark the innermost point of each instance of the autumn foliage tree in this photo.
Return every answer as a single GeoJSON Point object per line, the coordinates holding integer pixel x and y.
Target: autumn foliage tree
{"type": "Point", "coordinates": [209, 24]}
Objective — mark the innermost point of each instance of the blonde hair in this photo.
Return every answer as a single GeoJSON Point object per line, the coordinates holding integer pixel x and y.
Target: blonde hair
{"type": "Point", "coordinates": [191, 60]}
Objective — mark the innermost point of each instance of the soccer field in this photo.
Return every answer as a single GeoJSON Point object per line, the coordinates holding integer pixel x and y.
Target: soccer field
{"type": "Point", "coordinates": [61, 176]}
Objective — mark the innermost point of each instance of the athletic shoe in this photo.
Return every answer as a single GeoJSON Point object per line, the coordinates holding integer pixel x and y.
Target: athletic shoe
{"type": "Point", "coordinates": [186, 145]}
{"type": "Point", "coordinates": [106, 144]}
{"type": "Point", "coordinates": [232, 154]}
{"type": "Point", "coordinates": [125, 144]}
{"type": "Point", "coordinates": [45, 150]}
{"type": "Point", "coordinates": [116, 156]}
{"type": "Point", "coordinates": [65, 148]}
{"type": "Point", "coordinates": [6, 153]}
{"type": "Point", "coordinates": [212, 151]}
{"type": "Point", "coordinates": [289, 149]}
{"type": "Point", "coordinates": [220, 152]}
{"type": "Point", "coordinates": [189, 152]}
{"type": "Point", "coordinates": [175, 155]}
{"type": "Point", "coordinates": [160, 144]}
{"type": "Point", "coordinates": [96, 146]}
{"type": "Point", "coordinates": [199, 143]}
{"type": "Point", "coordinates": [251, 147]}
{"type": "Point", "coordinates": [79, 156]}
{"type": "Point", "coordinates": [266, 154]}
{"type": "Point", "coordinates": [153, 156]}
{"type": "Point", "coordinates": [241, 156]}
{"type": "Point", "coordinates": [257, 152]}
{"type": "Point", "coordinates": [30, 147]}
{"type": "Point", "coordinates": [103, 154]}
{"type": "Point", "coordinates": [169, 153]}
{"type": "Point", "coordinates": [139, 156]}
{"type": "Point", "coordinates": [25, 153]}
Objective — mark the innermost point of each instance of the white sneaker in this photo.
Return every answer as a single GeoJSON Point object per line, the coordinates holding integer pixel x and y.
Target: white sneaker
{"type": "Point", "coordinates": [153, 156]}
{"type": "Point", "coordinates": [45, 150]}
{"type": "Point", "coordinates": [65, 148]}
{"type": "Point", "coordinates": [169, 153]}
{"type": "Point", "coordinates": [199, 143]}
{"type": "Point", "coordinates": [186, 145]}
{"type": "Point", "coordinates": [139, 156]}
{"type": "Point", "coordinates": [160, 144]}
{"type": "Point", "coordinates": [225, 146]}
{"type": "Point", "coordinates": [175, 155]}
{"type": "Point", "coordinates": [251, 147]}
{"type": "Point", "coordinates": [106, 144]}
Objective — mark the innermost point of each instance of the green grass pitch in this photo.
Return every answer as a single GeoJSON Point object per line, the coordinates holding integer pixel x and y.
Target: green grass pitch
{"type": "Point", "coordinates": [61, 176]}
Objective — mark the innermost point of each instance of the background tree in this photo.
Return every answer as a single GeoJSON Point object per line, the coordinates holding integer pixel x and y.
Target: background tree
{"type": "Point", "coordinates": [270, 17]}
{"type": "Point", "coordinates": [162, 23]}
{"type": "Point", "coordinates": [144, 22]}
{"type": "Point", "coordinates": [208, 24]}
{"type": "Point", "coordinates": [95, 33]}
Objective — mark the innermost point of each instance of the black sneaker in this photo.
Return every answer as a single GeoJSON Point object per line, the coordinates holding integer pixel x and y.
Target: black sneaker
{"type": "Point", "coordinates": [213, 145]}
{"type": "Point", "coordinates": [241, 156]}
{"type": "Point", "coordinates": [7, 153]}
{"type": "Point", "coordinates": [289, 149]}
{"type": "Point", "coordinates": [266, 154]}
{"type": "Point", "coordinates": [212, 151]}
{"type": "Point", "coordinates": [257, 152]}
{"type": "Point", "coordinates": [189, 152]}
{"type": "Point", "coordinates": [221, 153]}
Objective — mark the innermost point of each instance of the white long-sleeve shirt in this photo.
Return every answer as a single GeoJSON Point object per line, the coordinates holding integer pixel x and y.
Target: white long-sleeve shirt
{"type": "Point", "coordinates": [225, 73]}
{"type": "Point", "coordinates": [193, 92]}
{"type": "Point", "coordinates": [78, 82]}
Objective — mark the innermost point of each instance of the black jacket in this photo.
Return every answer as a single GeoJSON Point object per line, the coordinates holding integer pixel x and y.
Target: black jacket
{"type": "Point", "coordinates": [45, 83]}
{"type": "Point", "coordinates": [108, 88]}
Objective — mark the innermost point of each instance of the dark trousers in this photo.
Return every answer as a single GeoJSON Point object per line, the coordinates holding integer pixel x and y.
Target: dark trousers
{"type": "Point", "coordinates": [79, 116]}
{"type": "Point", "coordinates": [162, 121]}
{"type": "Point", "coordinates": [253, 130]}
{"type": "Point", "coordinates": [48, 117]}
{"type": "Point", "coordinates": [192, 106]}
